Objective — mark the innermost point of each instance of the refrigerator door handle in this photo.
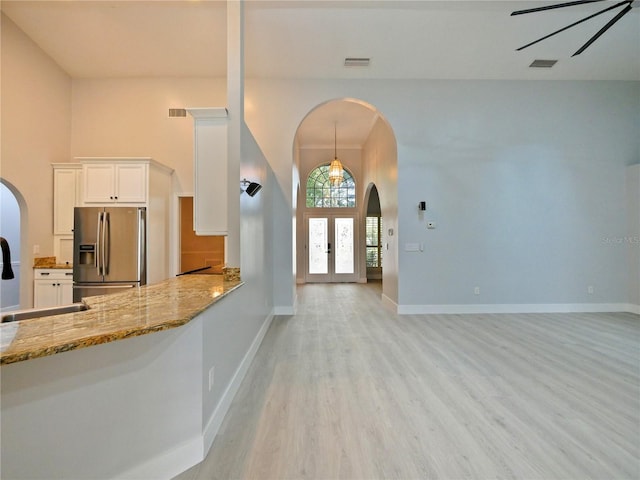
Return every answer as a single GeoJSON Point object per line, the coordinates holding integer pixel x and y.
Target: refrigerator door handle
{"type": "Point", "coordinates": [142, 242]}
{"type": "Point", "coordinates": [106, 243]}
{"type": "Point", "coordinates": [99, 245]}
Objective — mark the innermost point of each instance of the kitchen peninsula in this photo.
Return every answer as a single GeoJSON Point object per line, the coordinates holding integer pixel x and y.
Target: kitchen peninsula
{"type": "Point", "coordinates": [135, 387]}
{"type": "Point", "coordinates": [148, 309]}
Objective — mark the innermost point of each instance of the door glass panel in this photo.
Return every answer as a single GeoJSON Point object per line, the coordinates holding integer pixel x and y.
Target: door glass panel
{"type": "Point", "coordinates": [344, 245]}
{"type": "Point", "coordinates": [318, 245]}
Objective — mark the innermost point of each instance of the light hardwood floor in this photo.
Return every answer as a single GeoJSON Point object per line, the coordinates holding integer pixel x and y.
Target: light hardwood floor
{"type": "Point", "coordinates": [347, 390]}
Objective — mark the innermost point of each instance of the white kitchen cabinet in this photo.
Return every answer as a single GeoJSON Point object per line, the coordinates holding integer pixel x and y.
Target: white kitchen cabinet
{"type": "Point", "coordinates": [52, 287]}
{"type": "Point", "coordinates": [115, 182]}
{"type": "Point", "coordinates": [66, 188]}
{"type": "Point", "coordinates": [67, 194]}
{"type": "Point", "coordinates": [210, 216]}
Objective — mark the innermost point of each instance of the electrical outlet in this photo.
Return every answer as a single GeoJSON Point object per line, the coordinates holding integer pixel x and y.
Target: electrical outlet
{"type": "Point", "coordinates": [212, 372]}
{"type": "Point", "coordinates": [36, 249]}
{"type": "Point", "coordinates": [590, 289]}
{"type": "Point", "coordinates": [476, 291]}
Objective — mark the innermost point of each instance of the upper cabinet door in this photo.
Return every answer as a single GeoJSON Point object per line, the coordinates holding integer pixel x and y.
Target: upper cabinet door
{"type": "Point", "coordinates": [99, 182]}
{"type": "Point", "coordinates": [65, 187]}
{"type": "Point", "coordinates": [131, 183]}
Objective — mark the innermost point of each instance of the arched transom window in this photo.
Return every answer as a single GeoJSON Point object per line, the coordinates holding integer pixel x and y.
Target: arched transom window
{"type": "Point", "coordinates": [322, 194]}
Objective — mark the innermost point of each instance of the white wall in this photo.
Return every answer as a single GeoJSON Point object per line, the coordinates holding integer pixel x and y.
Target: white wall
{"type": "Point", "coordinates": [100, 411]}
{"type": "Point", "coordinates": [380, 155]}
{"type": "Point", "coordinates": [523, 180]}
{"type": "Point", "coordinates": [130, 117]}
{"type": "Point", "coordinates": [36, 131]}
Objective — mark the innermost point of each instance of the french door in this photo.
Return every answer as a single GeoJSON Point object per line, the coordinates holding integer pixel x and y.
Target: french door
{"type": "Point", "coordinates": [331, 242]}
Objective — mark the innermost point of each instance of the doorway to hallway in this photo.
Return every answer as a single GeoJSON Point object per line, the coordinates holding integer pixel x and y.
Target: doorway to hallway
{"type": "Point", "coordinates": [331, 241]}
{"type": "Point", "coordinates": [358, 135]}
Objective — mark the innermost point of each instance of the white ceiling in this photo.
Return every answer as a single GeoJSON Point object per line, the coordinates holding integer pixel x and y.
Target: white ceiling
{"type": "Point", "coordinates": [419, 39]}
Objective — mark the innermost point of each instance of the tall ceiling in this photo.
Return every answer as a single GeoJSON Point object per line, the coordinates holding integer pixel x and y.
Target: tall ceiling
{"type": "Point", "coordinates": [419, 39]}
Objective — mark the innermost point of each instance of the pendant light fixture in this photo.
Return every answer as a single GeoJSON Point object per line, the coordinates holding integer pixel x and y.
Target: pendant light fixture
{"type": "Point", "coordinates": [336, 172]}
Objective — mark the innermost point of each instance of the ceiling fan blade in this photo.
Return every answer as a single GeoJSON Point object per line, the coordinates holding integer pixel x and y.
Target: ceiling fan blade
{"type": "Point", "coordinates": [621, 14]}
{"type": "Point", "coordinates": [628, 2]}
{"type": "Point", "coordinates": [551, 7]}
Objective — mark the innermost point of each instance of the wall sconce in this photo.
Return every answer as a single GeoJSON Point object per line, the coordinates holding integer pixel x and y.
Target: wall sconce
{"type": "Point", "coordinates": [250, 187]}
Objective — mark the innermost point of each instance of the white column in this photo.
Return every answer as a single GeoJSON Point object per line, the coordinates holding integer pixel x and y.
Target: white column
{"type": "Point", "coordinates": [235, 102]}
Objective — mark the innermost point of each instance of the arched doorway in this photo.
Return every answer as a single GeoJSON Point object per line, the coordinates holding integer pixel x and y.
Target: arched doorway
{"type": "Point", "coordinates": [358, 134]}
{"type": "Point", "coordinates": [10, 232]}
{"type": "Point", "coordinates": [373, 234]}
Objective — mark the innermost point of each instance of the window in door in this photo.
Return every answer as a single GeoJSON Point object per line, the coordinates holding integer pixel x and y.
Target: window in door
{"type": "Point", "coordinates": [331, 248]}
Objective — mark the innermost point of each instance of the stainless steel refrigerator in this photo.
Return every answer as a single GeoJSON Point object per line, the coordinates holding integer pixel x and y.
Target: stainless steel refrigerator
{"type": "Point", "coordinates": [109, 250]}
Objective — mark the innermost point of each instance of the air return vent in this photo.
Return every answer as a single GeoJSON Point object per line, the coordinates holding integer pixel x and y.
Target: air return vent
{"type": "Point", "coordinates": [356, 62]}
{"type": "Point", "coordinates": [543, 63]}
{"type": "Point", "coordinates": [177, 112]}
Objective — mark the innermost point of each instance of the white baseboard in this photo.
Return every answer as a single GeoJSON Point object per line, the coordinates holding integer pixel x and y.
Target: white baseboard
{"type": "Point", "coordinates": [283, 310]}
{"type": "Point", "coordinates": [633, 308]}
{"type": "Point", "coordinates": [214, 423]}
{"type": "Point", "coordinates": [168, 464]}
{"type": "Point", "coordinates": [517, 308]}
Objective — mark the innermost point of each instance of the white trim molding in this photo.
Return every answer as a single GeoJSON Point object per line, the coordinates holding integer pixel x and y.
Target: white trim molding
{"type": "Point", "coordinates": [517, 308]}
{"type": "Point", "coordinates": [283, 310]}
{"type": "Point", "coordinates": [633, 308]}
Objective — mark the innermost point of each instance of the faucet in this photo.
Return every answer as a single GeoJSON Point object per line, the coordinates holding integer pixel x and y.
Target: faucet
{"type": "Point", "coordinates": [7, 272]}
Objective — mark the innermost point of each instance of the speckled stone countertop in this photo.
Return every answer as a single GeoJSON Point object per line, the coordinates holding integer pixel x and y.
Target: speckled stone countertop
{"type": "Point", "coordinates": [152, 308]}
{"type": "Point", "coordinates": [49, 262]}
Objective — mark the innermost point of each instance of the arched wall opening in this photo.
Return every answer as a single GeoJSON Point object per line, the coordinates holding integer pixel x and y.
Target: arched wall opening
{"type": "Point", "coordinates": [365, 143]}
{"type": "Point", "coordinates": [13, 218]}
{"type": "Point", "coordinates": [373, 234]}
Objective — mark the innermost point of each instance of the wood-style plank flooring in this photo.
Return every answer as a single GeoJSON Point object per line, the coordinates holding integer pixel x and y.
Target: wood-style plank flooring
{"type": "Point", "coordinates": [347, 390]}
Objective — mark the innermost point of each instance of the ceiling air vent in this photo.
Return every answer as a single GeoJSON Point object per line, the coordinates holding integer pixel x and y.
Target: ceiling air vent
{"type": "Point", "coordinates": [543, 63]}
{"type": "Point", "coordinates": [177, 112]}
{"type": "Point", "coordinates": [356, 62]}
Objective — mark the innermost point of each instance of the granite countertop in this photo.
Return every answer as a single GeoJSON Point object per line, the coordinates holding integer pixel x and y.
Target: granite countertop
{"type": "Point", "coordinates": [152, 308]}
{"type": "Point", "coordinates": [49, 262]}
{"type": "Point", "coordinates": [57, 265]}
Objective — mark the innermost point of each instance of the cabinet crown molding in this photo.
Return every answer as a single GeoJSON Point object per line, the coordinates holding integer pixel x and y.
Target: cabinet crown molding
{"type": "Point", "coordinates": [208, 112]}
{"type": "Point", "coordinates": [148, 160]}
